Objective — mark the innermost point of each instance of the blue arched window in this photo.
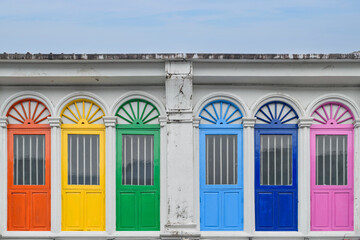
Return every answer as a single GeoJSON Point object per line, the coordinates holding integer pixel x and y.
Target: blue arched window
{"type": "Point", "coordinates": [221, 167]}
{"type": "Point", "coordinates": [276, 167]}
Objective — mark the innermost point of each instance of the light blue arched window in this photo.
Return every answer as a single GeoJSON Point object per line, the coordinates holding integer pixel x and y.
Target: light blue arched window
{"type": "Point", "coordinates": [276, 190]}
{"type": "Point", "coordinates": [221, 167]}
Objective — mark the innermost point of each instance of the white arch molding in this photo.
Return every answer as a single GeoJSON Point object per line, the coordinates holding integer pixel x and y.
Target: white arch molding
{"type": "Point", "coordinates": [81, 95]}
{"type": "Point", "coordinates": [221, 96]}
{"type": "Point", "coordinates": [141, 95]}
{"type": "Point", "coordinates": [24, 95]}
{"type": "Point", "coordinates": [294, 103]}
{"type": "Point", "coordinates": [336, 98]}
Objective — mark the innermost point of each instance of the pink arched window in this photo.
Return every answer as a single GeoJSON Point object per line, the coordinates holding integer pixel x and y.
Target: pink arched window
{"type": "Point", "coordinates": [332, 157]}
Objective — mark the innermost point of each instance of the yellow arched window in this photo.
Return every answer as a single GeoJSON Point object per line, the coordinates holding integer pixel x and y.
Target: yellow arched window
{"type": "Point", "coordinates": [83, 166]}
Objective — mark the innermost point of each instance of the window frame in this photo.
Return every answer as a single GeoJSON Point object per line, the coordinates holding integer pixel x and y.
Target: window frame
{"type": "Point", "coordinates": [235, 129]}
{"type": "Point", "coordinates": [148, 129]}
{"type": "Point", "coordinates": [29, 130]}
{"type": "Point", "coordinates": [350, 157]}
{"type": "Point", "coordinates": [276, 131]}
{"type": "Point", "coordinates": [86, 130]}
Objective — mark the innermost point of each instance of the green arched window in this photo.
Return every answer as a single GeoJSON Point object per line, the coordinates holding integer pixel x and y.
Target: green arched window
{"type": "Point", "coordinates": [138, 167]}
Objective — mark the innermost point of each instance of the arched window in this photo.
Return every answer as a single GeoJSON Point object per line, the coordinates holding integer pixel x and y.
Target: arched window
{"type": "Point", "coordinates": [221, 167]}
{"type": "Point", "coordinates": [83, 166]}
{"type": "Point", "coordinates": [28, 166]}
{"type": "Point", "coordinates": [276, 188]}
{"type": "Point", "coordinates": [138, 167]}
{"type": "Point", "coordinates": [332, 155]}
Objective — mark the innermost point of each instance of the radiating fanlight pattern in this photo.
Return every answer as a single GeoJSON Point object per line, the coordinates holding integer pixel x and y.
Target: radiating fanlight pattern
{"type": "Point", "coordinates": [333, 113]}
{"type": "Point", "coordinates": [220, 112]}
{"type": "Point", "coordinates": [82, 111]}
{"type": "Point", "coordinates": [138, 111]}
{"type": "Point", "coordinates": [276, 112]}
{"type": "Point", "coordinates": [28, 111]}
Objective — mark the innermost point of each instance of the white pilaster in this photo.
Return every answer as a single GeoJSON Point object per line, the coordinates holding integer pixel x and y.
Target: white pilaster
{"type": "Point", "coordinates": [110, 176]}
{"type": "Point", "coordinates": [357, 177]}
{"type": "Point", "coordinates": [3, 174]}
{"type": "Point", "coordinates": [163, 174]}
{"type": "Point", "coordinates": [196, 122]}
{"type": "Point", "coordinates": [55, 123]}
{"type": "Point", "coordinates": [249, 175]}
{"type": "Point", "coordinates": [304, 175]}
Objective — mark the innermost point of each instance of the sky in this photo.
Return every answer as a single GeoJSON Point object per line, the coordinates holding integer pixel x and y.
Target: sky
{"type": "Point", "coordinates": [179, 26]}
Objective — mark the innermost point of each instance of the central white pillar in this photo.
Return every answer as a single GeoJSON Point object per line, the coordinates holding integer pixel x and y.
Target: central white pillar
{"type": "Point", "coordinates": [110, 176]}
{"type": "Point", "coordinates": [55, 123]}
{"type": "Point", "coordinates": [249, 175]}
{"type": "Point", "coordinates": [304, 175]}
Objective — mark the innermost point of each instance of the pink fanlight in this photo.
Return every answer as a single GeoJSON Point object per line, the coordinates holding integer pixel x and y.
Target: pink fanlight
{"type": "Point", "coordinates": [331, 114]}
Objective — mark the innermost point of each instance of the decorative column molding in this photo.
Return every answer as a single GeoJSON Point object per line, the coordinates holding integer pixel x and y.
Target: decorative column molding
{"type": "Point", "coordinates": [356, 123]}
{"type": "Point", "coordinates": [248, 122]}
{"type": "Point", "coordinates": [304, 175]}
{"type": "Point", "coordinates": [163, 121]}
{"type": "Point", "coordinates": [110, 121]}
{"type": "Point", "coordinates": [249, 174]}
{"type": "Point", "coordinates": [55, 124]}
{"type": "Point", "coordinates": [3, 174]}
{"type": "Point", "coordinates": [110, 176]}
{"type": "Point", "coordinates": [356, 176]}
{"type": "Point", "coordinates": [55, 121]}
{"type": "Point", "coordinates": [3, 122]}
{"type": "Point", "coordinates": [196, 122]}
{"type": "Point", "coordinates": [305, 122]}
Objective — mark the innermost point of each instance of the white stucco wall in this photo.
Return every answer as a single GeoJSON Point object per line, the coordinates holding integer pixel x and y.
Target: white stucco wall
{"type": "Point", "coordinates": [180, 89]}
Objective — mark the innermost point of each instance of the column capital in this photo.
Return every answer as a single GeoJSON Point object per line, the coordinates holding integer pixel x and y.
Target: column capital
{"type": "Point", "coordinates": [356, 123]}
{"type": "Point", "coordinates": [110, 121]}
{"type": "Point", "coordinates": [162, 121]}
{"type": "Point", "coordinates": [55, 121]}
{"type": "Point", "coordinates": [196, 121]}
{"type": "Point", "coordinates": [305, 122]}
{"type": "Point", "coordinates": [4, 122]}
{"type": "Point", "coordinates": [249, 121]}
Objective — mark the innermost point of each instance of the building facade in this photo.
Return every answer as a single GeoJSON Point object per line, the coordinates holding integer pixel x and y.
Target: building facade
{"type": "Point", "coordinates": [179, 146]}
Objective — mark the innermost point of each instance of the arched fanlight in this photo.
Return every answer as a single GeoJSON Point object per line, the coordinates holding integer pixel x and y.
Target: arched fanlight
{"type": "Point", "coordinates": [276, 112]}
{"type": "Point", "coordinates": [137, 111]}
{"type": "Point", "coordinates": [28, 111]}
{"type": "Point", "coordinates": [221, 112]}
{"type": "Point", "coordinates": [333, 113]}
{"type": "Point", "coordinates": [82, 111]}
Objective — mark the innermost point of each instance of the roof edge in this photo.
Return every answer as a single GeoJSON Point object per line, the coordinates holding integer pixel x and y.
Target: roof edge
{"type": "Point", "coordinates": [176, 56]}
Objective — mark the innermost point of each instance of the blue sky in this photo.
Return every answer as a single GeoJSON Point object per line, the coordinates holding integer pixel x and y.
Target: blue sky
{"type": "Point", "coordinates": [163, 26]}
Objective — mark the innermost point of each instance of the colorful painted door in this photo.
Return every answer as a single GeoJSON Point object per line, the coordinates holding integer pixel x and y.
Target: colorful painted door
{"type": "Point", "coordinates": [332, 196]}
{"type": "Point", "coordinates": [276, 191]}
{"type": "Point", "coordinates": [221, 167]}
{"type": "Point", "coordinates": [28, 167]}
{"type": "Point", "coordinates": [138, 167]}
{"type": "Point", "coordinates": [83, 168]}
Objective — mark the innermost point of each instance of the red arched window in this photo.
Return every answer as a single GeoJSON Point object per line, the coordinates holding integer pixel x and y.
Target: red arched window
{"type": "Point", "coordinates": [28, 166]}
